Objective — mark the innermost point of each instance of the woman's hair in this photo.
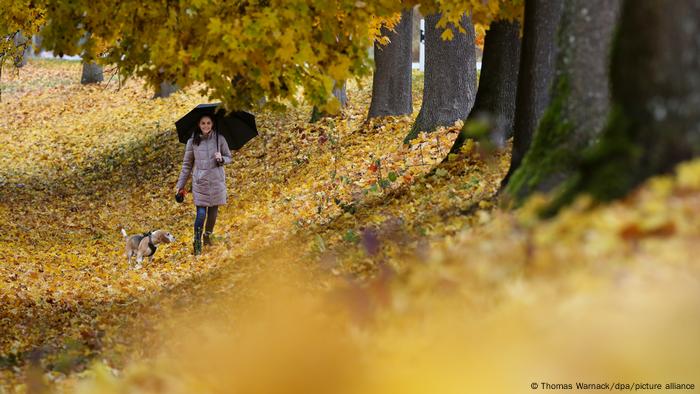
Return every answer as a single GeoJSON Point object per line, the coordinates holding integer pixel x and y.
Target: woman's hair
{"type": "Point", "coordinates": [197, 133]}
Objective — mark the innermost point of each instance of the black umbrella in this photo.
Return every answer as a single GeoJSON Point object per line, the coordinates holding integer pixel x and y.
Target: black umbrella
{"type": "Point", "coordinates": [237, 127]}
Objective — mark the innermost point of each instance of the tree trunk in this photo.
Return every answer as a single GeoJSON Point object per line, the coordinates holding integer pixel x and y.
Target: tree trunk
{"type": "Point", "coordinates": [19, 40]}
{"type": "Point", "coordinates": [580, 98]}
{"type": "Point", "coordinates": [655, 122]}
{"type": "Point", "coordinates": [340, 93]}
{"type": "Point", "coordinates": [450, 77]}
{"type": "Point", "coordinates": [495, 98]}
{"type": "Point", "coordinates": [537, 62]}
{"type": "Point", "coordinates": [92, 73]}
{"type": "Point", "coordinates": [391, 85]}
{"type": "Point", "coordinates": [165, 89]}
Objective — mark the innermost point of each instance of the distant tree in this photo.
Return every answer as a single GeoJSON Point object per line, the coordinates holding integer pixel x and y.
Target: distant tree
{"type": "Point", "coordinates": [340, 94]}
{"type": "Point", "coordinates": [23, 49]}
{"type": "Point", "coordinates": [165, 89]}
{"type": "Point", "coordinates": [19, 20]}
{"type": "Point", "coordinates": [92, 73]}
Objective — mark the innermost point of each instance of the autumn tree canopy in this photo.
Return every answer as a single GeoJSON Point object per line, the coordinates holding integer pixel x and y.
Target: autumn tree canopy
{"type": "Point", "coordinates": [18, 20]}
{"type": "Point", "coordinates": [242, 51]}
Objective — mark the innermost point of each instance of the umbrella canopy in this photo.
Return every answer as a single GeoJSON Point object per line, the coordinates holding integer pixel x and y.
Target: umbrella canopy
{"type": "Point", "coordinates": [237, 127]}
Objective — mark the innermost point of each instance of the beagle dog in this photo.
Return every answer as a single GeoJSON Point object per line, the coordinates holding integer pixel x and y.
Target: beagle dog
{"type": "Point", "coordinates": [145, 245]}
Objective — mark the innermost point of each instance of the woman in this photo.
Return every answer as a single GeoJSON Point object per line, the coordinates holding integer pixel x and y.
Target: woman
{"type": "Point", "coordinates": [207, 153]}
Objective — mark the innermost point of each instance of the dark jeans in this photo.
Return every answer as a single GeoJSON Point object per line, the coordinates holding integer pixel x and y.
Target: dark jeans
{"type": "Point", "coordinates": [210, 214]}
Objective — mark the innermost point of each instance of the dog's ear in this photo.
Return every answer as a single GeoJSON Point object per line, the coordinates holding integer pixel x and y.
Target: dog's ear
{"type": "Point", "coordinates": [159, 235]}
{"type": "Point", "coordinates": [162, 236]}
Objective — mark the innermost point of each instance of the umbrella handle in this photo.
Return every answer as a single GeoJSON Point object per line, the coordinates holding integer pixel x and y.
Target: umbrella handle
{"type": "Point", "coordinates": [217, 147]}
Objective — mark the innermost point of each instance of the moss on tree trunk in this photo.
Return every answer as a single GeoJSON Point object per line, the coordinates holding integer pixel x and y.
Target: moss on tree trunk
{"type": "Point", "coordinates": [549, 155]}
{"type": "Point", "coordinates": [579, 100]}
{"type": "Point", "coordinates": [537, 64]}
{"type": "Point", "coordinates": [655, 121]}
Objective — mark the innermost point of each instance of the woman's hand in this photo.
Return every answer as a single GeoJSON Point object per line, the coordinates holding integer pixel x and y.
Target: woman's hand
{"type": "Point", "coordinates": [180, 196]}
{"type": "Point", "coordinates": [218, 157]}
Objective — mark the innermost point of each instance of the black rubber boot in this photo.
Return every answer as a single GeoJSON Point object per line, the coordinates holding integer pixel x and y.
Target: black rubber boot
{"type": "Point", "coordinates": [207, 238]}
{"type": "Point", "coordinates": [197, 241]}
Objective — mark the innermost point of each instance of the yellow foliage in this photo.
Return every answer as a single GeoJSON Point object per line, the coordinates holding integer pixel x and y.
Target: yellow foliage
{"type": "Point", "coordinates": [19, 20]}
{"type": "Point", "coordinates": [376, 24]}
{"type": "Point", "coordinates": [330, 274]}
{"type": "Point", "coordinates": [277, 51]}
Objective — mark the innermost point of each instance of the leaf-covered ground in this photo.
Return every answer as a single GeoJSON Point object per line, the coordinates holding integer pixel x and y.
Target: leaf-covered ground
{"type": "Point", "coordinates": [339, 264]}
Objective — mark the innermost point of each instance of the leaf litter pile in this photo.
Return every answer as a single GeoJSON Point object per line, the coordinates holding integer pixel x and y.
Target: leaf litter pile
{"type": "Point", "coordinates": [343, 261]}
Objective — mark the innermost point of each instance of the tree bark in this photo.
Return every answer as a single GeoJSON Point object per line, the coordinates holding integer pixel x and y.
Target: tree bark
{"type": "Point", "coordinates": [655, 122]}
{"type": "Point", "coordinates": [165, 89]}
{"type": "Point", "coordinates": [537, 61]}
{"type": "Point", "coordinates": [580, 100]}
{"type": "Point", "coordinates": [92, 73]}
{"type": "Point", "coordinates": [495, 97]}
{"type": "Point", "coordinates": [19, 40]}
{"type": "Point", "coordinates": [391, 85]}
{"type": "Point", "coordinates": [450, 77]}
{"type": "Point", "coordinates": [340, 93]}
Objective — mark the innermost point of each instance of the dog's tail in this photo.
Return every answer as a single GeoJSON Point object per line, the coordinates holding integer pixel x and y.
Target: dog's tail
{"type": "Point", "coordinates": [124, 234]}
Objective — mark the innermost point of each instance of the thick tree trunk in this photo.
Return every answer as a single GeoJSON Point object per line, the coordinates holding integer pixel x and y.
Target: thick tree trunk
{"type": "Point", "coordinates": [450, 77]}
{"type": "Point", "coordinates": [537, 62]}
{"type": "Point", "coordinates": [580, 98]}
{"type": "Point", "coordinates": [340, 93]}
{"type": "Point", "coordinates": [655, 123]}
{"type": "Point", "coordinates": [391, 85]}
{"type": "Point", "coordinates": [165, 89]}
{"type": "Point", "coordinates": [92, 73]}
{"type": "Point", "coordinates": [495, 98]}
